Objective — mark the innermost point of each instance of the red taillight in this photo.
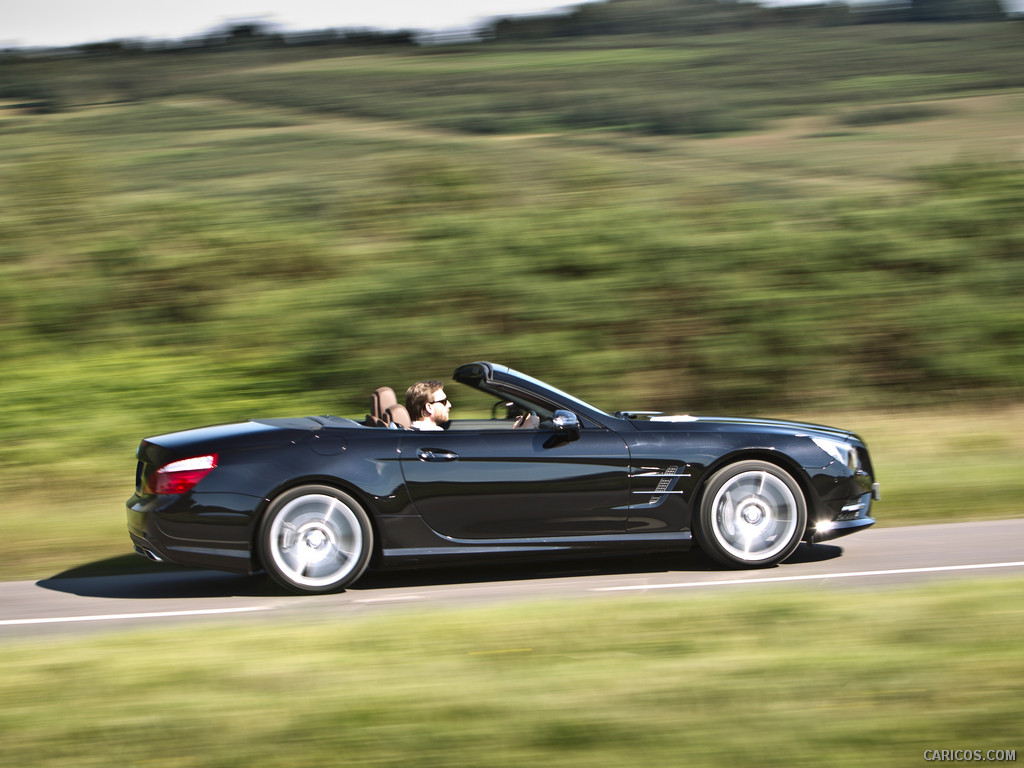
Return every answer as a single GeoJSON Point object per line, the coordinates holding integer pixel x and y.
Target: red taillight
{"type": "Point", "coordinates": [180, 476]}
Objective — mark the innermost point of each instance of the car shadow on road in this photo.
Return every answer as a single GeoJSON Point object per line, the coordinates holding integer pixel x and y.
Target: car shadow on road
{"type": "Point", "coordinates": [693, 561]}
{"type": "Point", "coordinates": [173, 583]}
{"type": "Point", "coordinates": [122, 578]}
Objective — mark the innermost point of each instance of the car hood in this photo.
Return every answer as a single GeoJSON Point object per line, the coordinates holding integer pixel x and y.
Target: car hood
{"type": "Point", "coordinates": [733, 423]}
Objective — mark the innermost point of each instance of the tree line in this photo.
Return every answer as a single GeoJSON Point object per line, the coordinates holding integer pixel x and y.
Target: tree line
{"type": "Point", "coordinates": [614, 17]}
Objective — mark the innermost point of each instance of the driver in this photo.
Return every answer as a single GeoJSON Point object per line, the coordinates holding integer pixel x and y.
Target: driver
{"type": "Point", "coordinates": [428, 405]}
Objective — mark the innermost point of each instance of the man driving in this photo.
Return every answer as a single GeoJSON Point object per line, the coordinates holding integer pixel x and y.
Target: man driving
{"type": "Point", "coordinates": [428, 405]}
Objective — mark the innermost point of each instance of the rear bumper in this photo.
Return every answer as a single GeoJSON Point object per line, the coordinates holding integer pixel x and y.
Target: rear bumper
{"type": "Point", "coordinates": [168, 529]}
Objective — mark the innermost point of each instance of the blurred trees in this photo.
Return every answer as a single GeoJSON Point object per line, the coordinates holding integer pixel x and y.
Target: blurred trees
{"type": "Point", "coordinates": [955, 10]}
{"type": "Point", "coordinates": [221, 233]}
{"type": "Point", "coordinates": [738, 302]}
{"type": "Point", "coordinates": [631, 17]}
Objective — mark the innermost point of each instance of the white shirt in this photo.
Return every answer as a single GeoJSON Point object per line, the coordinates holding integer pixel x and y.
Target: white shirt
{"type": "Point", "coordinates": [426, 425]}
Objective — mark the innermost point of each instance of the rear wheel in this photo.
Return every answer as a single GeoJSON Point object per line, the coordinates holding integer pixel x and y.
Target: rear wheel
{"type": "Point", "coordinates": [315, 539]}
{"type": "Point", "coordinates": [752, 514]}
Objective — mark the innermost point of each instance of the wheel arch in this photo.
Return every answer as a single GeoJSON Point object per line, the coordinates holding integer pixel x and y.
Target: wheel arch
{"type": "Point", "coordinates": [779, 459]}
{"type": "Point", "coordinates": [330, 481]}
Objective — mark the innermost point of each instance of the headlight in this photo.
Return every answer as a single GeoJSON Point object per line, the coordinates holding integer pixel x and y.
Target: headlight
{"type": "Point", "coordinates": [844, 453]}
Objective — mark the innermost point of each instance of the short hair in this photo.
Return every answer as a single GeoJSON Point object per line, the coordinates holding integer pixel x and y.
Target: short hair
{"type": "Point", "coordinates": [418, 395]}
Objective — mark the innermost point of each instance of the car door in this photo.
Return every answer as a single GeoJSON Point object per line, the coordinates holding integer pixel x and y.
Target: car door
{"type": "Point", "coordinates": [518, 484]}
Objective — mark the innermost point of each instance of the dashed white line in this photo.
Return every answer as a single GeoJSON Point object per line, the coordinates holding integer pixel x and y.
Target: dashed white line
{"type": "Point", "coordinates": [121, 616]}
{"type": "Point", "coordinates": [811, 577]}
{"type": "Point", "coordinates": [632, 588]}
{"type": "Point", "coordinates": [395, 599]}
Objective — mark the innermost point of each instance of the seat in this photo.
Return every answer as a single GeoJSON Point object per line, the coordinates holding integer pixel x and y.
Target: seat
{"type": "Point", "coordinates": [397, 417]}
{"type": "Point", "coordinates": [381, 399]}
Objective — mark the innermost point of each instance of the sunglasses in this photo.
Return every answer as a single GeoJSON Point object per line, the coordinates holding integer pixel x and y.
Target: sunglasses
{"type": "Point", "coordinates": [439, 402]}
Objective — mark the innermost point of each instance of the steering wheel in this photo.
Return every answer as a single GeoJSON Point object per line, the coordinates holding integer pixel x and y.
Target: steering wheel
{"type": "Point", "coordinates": [527, 420]}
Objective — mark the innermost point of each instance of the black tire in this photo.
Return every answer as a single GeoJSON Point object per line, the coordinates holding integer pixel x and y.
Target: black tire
{"type": "Point", "coordinates": [752, 515]}
{"type": "Point", "coordinates": [315, 539]}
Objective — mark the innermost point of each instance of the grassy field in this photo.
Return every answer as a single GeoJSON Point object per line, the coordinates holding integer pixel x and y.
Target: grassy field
{"type": "Point", "coordinates": [235, 222]}
{"type": "Point", "coordinates": [772, 678]}
{"type": "Point", "coordinates": [827, 223]}
{"type": "Point", "coordinates": [943, 466]}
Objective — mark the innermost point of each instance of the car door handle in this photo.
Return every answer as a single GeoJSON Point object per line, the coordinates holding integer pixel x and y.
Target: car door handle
{"type": "Point", "coordinates": [431, 454]}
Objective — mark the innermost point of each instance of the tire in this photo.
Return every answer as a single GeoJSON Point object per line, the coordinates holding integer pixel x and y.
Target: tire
{"type": "Point", "coordinates": [315, 539]}
{"type": "Point", "coordinates": [752, 515]}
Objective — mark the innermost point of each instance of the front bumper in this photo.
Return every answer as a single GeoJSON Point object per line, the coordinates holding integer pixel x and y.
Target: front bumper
{"type": "Point", "coordinates": [854, 514]}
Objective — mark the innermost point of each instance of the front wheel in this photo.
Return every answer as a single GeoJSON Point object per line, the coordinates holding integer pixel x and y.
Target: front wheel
{"type": "Point", "coordinates": [752, 514]}
{"type": "Point", "coordinates": [315, 539]}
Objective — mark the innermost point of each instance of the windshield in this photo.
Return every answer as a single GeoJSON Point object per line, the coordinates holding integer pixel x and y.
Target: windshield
{"type": "Point", "coordinates": [560, 393]}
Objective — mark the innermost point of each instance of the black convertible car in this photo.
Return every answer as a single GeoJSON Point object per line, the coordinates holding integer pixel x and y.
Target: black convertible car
{"type": "Point", "coordinates": [313, 501]}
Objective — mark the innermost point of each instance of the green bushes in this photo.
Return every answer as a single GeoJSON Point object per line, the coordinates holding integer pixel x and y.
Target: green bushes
{"type": "Point", "coordinates": [264, 216]}
{"type": "Point", "coordinates": [756, 303]}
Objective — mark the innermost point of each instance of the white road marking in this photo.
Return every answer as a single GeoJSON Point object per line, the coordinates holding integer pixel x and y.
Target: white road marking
{"type": "Point", "coordinates": [396, 599]}
{"type": "Point", "coordinates": [120, 616]}
{"type": "Point", "coordinates": [811, 577]}
{"type": "Point", "coordinates": [633, 588]}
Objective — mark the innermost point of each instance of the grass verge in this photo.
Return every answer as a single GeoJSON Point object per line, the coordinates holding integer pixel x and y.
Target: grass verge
{"type": "Point", "coordinates": [943, 465]}
{"type": "Point", "coordinates": [780, 678]}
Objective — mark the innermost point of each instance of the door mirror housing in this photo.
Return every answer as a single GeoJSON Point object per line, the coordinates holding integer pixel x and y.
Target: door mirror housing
{"type": "Point", "coordinates": [567, 424]}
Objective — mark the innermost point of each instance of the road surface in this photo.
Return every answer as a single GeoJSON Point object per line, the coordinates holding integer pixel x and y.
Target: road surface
{"type": "Point", "coordinates": [871, 559]}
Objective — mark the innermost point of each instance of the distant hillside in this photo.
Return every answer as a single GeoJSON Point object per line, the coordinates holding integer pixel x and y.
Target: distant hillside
{"type": "Point", "coordinates": [769, 219]}
{"type": "Point", "coordinates": [611, 17]}
{"type": "Point", "coordinates": [666, 17]}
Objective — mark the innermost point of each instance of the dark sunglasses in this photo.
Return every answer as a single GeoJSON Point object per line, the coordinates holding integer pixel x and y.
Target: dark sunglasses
{"type": "Point", "coordinates": [439, 402]}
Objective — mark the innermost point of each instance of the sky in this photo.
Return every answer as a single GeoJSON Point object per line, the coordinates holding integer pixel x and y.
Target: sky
{"type": "Point", "coordinates": [31, 23]}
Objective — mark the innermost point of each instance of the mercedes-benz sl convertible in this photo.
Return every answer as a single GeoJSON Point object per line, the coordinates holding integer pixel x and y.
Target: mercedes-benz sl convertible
{"type": "Point", "coordinates": [314, 501]}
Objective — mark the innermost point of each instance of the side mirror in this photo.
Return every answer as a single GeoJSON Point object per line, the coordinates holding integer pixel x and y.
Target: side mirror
{"type": "Point", "coordinates": [502, 410]}
{"type": "Point", "coordinates": [566, 424]}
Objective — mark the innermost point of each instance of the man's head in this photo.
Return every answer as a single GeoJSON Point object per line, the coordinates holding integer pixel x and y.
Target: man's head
{"type": "Point", "coordinates": [427, 400]}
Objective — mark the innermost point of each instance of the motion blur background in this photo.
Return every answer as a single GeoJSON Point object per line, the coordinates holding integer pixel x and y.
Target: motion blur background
{"type": "Point", "coordinates": [685, 205]}
{"type": "Point", "coordinates": [682, 205]}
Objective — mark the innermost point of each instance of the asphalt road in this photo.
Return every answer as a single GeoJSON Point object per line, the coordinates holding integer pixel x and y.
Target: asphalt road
{"type": "Point", "coordinates": [872, 559]}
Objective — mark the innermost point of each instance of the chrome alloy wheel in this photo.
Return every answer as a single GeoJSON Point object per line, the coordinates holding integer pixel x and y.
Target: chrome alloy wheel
{"type": "Point", "coordinates": [754, 516]}
{"type": "Point", "coordinates": [316, 540]}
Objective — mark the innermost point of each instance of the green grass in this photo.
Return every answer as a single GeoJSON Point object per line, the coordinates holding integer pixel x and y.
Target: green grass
{"type": "Point", "coordinates": [824, 223]}
{"type": "Point", "coordinates": [772, 678]}
{"type": "Point", "coordinates": [942, 466]}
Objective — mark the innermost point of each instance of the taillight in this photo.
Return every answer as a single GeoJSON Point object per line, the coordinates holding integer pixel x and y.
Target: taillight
{"type": "Point", "coordinates": [180, 476]}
